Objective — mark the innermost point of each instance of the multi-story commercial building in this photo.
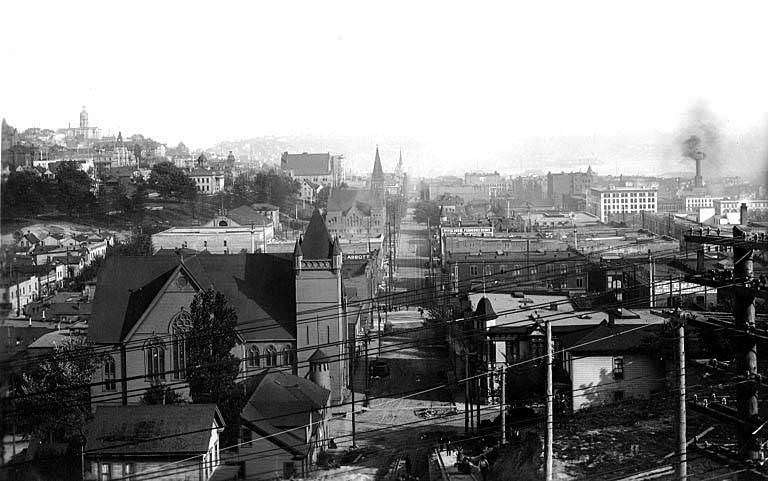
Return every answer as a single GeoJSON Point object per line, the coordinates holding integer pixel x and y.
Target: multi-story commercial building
{"type": "Point", "coordinates": [554, 269]}
{"type": "Point", "coordinates": [604, 202]}
{"type": "Point", "coordinates": [567, 184]}
{"type": "Point", "coordinates": [723, 207]}
{"type": "Point", "coordinates": [693, 203]}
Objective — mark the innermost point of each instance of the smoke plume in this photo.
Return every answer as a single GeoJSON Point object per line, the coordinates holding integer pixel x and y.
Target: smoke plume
{"type": "Point", "coordinates": [700, 138]}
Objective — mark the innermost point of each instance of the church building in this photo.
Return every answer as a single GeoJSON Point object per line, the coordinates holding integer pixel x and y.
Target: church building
{"type": "Point", "coordinates": [290, 310]}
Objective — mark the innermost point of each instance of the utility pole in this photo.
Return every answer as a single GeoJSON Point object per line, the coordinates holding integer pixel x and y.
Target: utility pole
{"type": "Point", "coordinates": [651, 278]}
{"type": "Point", "coordinates": [466, 393]}
{"type": "Point", "coordinates": [550, 405]}
{"type": "Point", "coordinates": [746, 345]}
{"type": "Point", "coordinates": [352, 363]}
{"type": "Point", "coordinates": [503, 405]}
{"type": "Point", "coordinates": [682, 435]}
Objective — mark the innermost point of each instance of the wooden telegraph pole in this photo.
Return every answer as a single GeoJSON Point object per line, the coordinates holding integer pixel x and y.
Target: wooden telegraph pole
{"type": "Point", "coordinates": [548, 454]}
{"type": "Point", "coordinates": [682, 435]}
{"type": "Point", "coordinates": [746, 344]}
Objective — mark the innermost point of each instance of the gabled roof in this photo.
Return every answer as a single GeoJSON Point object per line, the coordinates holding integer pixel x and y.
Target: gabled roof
{"type": "Point", "coordinates": [246, 215]}
{"type": "Point", "coordinates": [124, 289]}
{"type": "Point", "coordinates": [378, 172]}
{"type": "Point", "coordinates": [306, 164]}
{"type": "Point", "coordinates": [181, 429]}
{"type": "Point", "coordinates": [317, 241]}
{"type": "Point", "coordinates": [280, 402]}
{"type": "Point", "coordinates": [260, 287]}
{"type": "Point", "coordinates": [485, 310]}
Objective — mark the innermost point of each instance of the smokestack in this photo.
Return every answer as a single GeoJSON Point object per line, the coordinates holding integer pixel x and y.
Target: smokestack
{"type": "Point", "coordinates": [691, 150]}
{"type": "Point", "coordinates": [697, 181]}
{"type": "Point", "coordinates": [744, 218]}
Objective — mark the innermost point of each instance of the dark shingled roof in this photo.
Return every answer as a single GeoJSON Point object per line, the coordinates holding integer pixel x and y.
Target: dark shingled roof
{"type": "Point", "coordinates": [260, 287]}
{"type": "Point", "coordinates": [279, 402]}
{"type": "Point", "coordinates": [124, 289]}
{"type": "Point", "coordinates": [306, 164]}
{"type": "Point", "coordinates": [317, 241]}
{"type": "Point", "coordinates": [182, 429]}
{"type": "Point", "coordinates": [617, 338]}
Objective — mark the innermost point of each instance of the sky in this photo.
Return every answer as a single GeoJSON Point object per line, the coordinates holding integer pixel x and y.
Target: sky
{"type": "Point", "coordinates": [465, 80]}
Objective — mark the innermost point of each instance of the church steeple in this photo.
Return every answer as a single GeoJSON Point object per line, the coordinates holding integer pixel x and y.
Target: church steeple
{"type": "Point", "coordinates": [378, 172]}
{"type": "Point", "coordinates": [399, 170]}
{"type": "Point", "coordinates": [377, 177]}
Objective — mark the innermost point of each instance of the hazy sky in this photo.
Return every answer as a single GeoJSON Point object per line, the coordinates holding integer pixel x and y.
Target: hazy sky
{"type": "Point", "coordinates": [461, 78]}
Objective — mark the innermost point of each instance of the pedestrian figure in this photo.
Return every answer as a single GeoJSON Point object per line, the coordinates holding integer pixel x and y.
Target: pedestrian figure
{"type": "Point", "coordinates": [483, 465]}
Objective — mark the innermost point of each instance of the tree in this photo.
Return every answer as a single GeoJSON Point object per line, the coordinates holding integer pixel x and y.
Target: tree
{"type": "Point", "coordinates": [24, 193]}
{"type": "Point", "coordinates": [427, 210]}
{"type": "Point", "coordinates": [159, 393]}
{"type": "Point", "coordinates": [74, 188]}
{"type": "Point", "coordinates": [172, 182]}
{"type": "Point", "coordinates": [53, 402]}
{"type": "Point", "coordinates": [211, 366]}
{"type": "Point", "coordinates": [273, 187]}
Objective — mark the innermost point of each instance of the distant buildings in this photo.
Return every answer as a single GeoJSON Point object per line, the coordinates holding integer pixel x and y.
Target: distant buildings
{"type": "Point", "coordinates": [325, 169]}
{"type": "Point", "coordinates": [208, 182]}
{"type": "Point", "coordinates": [604, 202]}
{"type": "Point", "coordinates": [84, 132]}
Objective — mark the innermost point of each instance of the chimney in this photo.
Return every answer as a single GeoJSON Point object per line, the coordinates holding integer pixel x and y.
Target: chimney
{"type": "Point", "coordinates": [697, 181]}
{"type": "Point", "coordinates": [744, 218]}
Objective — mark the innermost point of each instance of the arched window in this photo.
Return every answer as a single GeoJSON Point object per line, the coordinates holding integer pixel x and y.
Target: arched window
{"type": "Point", "coordinates": [110, 372]}
{"type": "Point", "coordinates": [154, 355]}
{"type": "Point", "coordinates": [271, 356]}
{"type": "Point", "coordinates": [179, 327]}
{"type": "Point", "coordinates": [253, 357]}
{"type": "Point", "coordinates": [287, 355]}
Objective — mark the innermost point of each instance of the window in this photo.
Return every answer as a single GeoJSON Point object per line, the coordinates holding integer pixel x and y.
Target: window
{"type": "Point", "coordinates": [127, 469]}
{"type": "Point", "coordinates": [253, 357]}
{"type": "Point", "coordinates": [109, 374]}
{"type": "Point", "coordinates": [537, 346]}
{"type": "Point", "coordinates": [288, 469]}
{"type": "Point", "coordinates": [105, 473]}
{"type": "Point", "coordinates": [473, 270]}
{"type": "Point", "coordinates": [327, 334]}
{"type": "Point", "coordinates": [225, 243]}
{"type": "Point", "coordinates": [618, 367]}
{"type": "Point", "coordinates": [271, 356]}
{"type": "Point", "coordinates": [180, 325]}
{"type": "Point", "coordinates": [287, 355]}
{"type": "Point", "coordinates": [579, 282]}
{"type": "Point", "coordinates": [154, 353]}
